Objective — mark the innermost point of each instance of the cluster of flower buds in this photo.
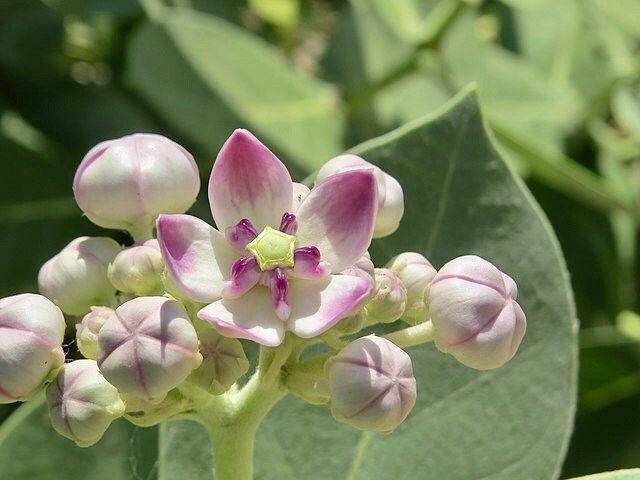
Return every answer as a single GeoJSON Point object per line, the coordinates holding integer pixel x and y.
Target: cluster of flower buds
{"type": "Point", "coordinates": [160, 322]}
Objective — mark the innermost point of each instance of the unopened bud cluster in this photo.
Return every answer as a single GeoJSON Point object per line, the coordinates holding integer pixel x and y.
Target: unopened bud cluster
{"type": "Point", "coordinates": [154, 349]}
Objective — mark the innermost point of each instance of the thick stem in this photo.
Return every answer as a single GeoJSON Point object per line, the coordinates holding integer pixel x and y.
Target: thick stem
{"type": "Point", "coordinates": [233, 451]}
{"type": "Point", "coordinates": [233, 420]}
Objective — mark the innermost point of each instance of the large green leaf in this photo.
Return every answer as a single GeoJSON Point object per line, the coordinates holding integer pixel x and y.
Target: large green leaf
{"type": "Point", "coordinates": [206, 77]}
{"type": "Point", "coordinates": [511, 423]}
{"type": "Point", "coordinates": [30, 449]}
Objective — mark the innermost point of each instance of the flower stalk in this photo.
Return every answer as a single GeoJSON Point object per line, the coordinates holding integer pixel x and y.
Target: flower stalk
{"type": "Point", "coordinates": [233, 421]}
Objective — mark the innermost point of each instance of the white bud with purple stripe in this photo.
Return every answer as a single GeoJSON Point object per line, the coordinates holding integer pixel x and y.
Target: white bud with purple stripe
{"type": "Point", "coordinates": [82, 404]}
{"type": "Point", "coordinates": [415, 272]}
{"type": "Point", "coordinates": [31, 336]}
{"type": "Point", "coordinates": [127, 182]}
{"type": "Point", "coordinates": [475, 314]}
{"type": "Point", "coordinates": [76, 278]}
{"type": "Point", "coordinates": [148, 347]}
{"type": "Point", "coordinates": [372, 384]}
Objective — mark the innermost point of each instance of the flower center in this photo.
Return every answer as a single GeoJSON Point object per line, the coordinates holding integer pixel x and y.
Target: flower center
{"type": "Point", "coordinates": [272, 249]}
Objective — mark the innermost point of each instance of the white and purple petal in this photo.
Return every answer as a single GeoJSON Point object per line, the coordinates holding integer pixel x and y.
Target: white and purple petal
{"type": "Point", "coordinates": [317, 305]}
{"type": "Point", "coordinates": [251, 317]}
{"type": "Point", "coordinates": [197, 256]}
{"type": "Point", "coordinates": [248, 181]}
{"type": "Point", "coordinates": [338, 217]}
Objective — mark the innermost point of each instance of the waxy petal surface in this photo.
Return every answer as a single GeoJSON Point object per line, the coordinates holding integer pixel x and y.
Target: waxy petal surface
{"type": "Point", "coordinates": [338, 217]}
{"type": "Point", "coordinates": [317, 305]}
{"type": "Point", "coordinates": [197, 257]}
{"type": "Point", "coordinates": [251, 317]}
{"type": "Point", "coordinates": [248, 181]}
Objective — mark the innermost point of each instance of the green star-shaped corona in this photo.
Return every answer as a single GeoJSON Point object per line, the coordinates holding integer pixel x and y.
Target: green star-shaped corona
{"type": "Point", "coordinates": [273, 248]}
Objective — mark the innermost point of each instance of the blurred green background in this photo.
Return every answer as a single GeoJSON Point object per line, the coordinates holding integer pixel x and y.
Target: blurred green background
{"type": "Point", "coordinates": [559, 82]}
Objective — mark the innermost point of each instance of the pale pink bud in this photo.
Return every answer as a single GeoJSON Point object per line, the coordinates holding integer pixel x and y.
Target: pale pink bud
{"type": "Point", "coordinates": [82, 404]}
{"type": "Point", "coordinates": [390, 298]}
{"type": "Point", "coordinates": [89, 327]}
{"type": "Point", "coordinates": [372, 385]}
{"type": "Point", "coordinates": [148, 347]}
{"type": "Point", "coordinates": [475, 314]}
{"type": "Point", "coordinates": [76, 278]}
{"type": "Point", "coordinates": [415, 272]}
{"type": "Point", "coordinates": [31, 335]}
{"type": "Point", "coordinates": [138, 269]}
{"type": "Point", "coordinates": [390, 195]}
{"type": "Point", "coordinates": [127, 182]}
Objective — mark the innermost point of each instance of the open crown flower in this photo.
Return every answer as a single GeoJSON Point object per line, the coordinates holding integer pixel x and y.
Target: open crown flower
{"type": "Point", "coordinates": [274, 262]}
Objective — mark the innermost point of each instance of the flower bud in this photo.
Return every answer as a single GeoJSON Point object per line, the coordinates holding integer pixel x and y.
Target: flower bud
{"type": "Point", "coordinates": [76, 278]}
{"type": "Point", "coordinates": [138, 269]}
{"type": "Point", "coordinates": [127, 182]}
{"type": "Point", "coordinates": [390, 195]}
{"type": "Point", "coordinates": [88, 328]}
{"type": "Point", "coordinates": [390, 298]}
{"type": "Point", "coordinates": [224, 360]}
{"type": "Point", "coordinates": [475, 314]}
{"type": "Point", "coordinates": [416, 273]}
{"type": "Point", "coordinates": [147, 347]}
{"type": "Point", "coordinates": [372, 385]}
{"type": "Point", "coordinates": [82, 404]}
{"type": "Point", "coordinates": [31, 335]}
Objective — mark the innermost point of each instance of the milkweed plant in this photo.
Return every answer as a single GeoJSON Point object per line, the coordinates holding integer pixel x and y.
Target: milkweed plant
{"type": "Point", "coordinates": [286, 267]}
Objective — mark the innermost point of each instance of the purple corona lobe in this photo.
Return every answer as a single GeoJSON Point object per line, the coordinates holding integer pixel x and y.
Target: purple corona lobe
{"type": "Point", "coordinates": [241, 234]}
{"type": "Point", "coordinates": [307, 263]}
{"type": "Point", "coordinates": [245, 274]}
{"type": "Point", "coordinates": [279, 290]}
{"type": "Point", "coordinates": [289, 224]}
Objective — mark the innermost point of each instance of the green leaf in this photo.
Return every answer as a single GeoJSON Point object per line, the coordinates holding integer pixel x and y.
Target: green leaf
{"type": "Point", "coordinates": [512, 90]}
{"type": "Point", "coordinates": [206, 77]}
{"type": "Point", "coordinates": [632, 474]}
{"type": "Point", "coordinates": [510, 423]}
{"type": "Point", "coordinates": [184, 452]}
{"type": "Point", "coordinates": [30, 449]}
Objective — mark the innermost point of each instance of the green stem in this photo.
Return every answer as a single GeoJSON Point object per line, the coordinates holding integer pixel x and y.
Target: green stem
{"type": "Point", "coordinates": [233, 435]}
{"type": "Point", "coordinates": [405, 338]}
{"type": "Point", "coordinates": [412, 336]}
{"type": "Point", "coordinates": [232, 419]}
{"type": "Point", "coordinates": [436, 25]}
{"type": "Point", "coordinates": [564, 174]}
